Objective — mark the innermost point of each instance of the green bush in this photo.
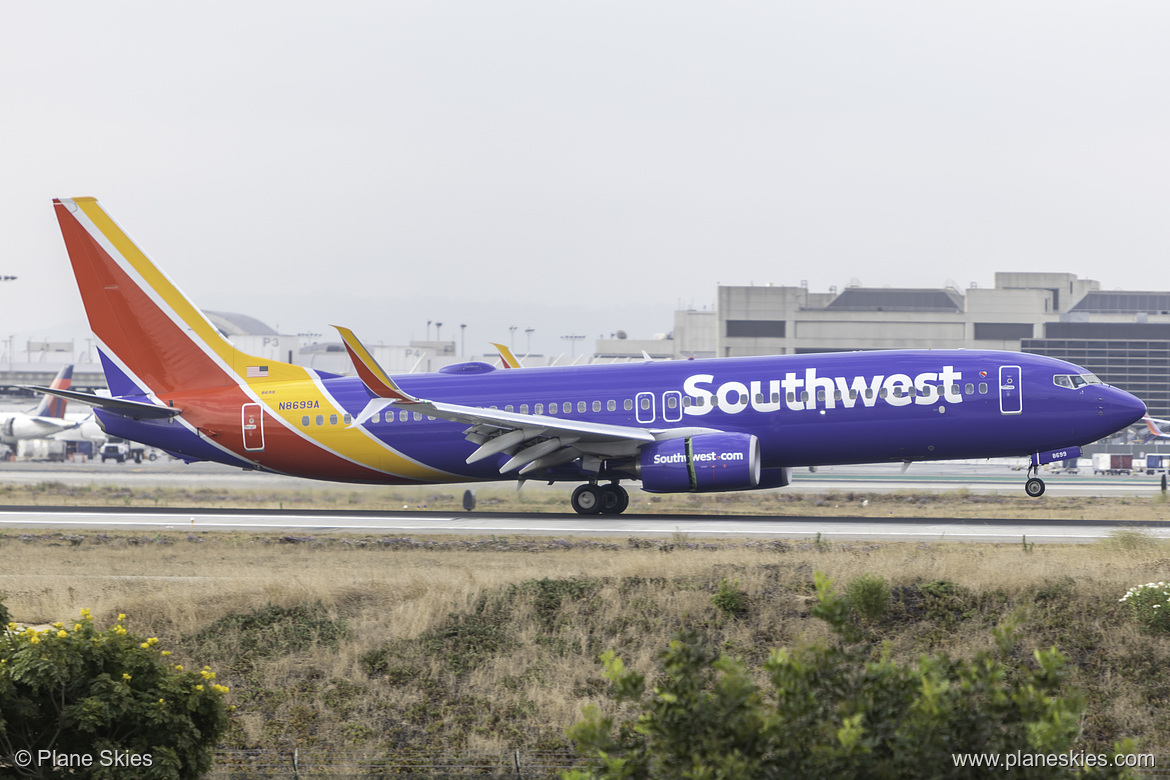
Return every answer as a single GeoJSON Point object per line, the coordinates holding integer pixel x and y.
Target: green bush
{"type": "Point", "coordinates": [830, 710]}
{"type": "Point", "coordinates": [732, 601]}
{"type": "Point", "coordinates": [106, 694]}
{"type": "Point", "coordinates": [1150, 605]}
{"type": "Point", "coordinates": [869, 595]}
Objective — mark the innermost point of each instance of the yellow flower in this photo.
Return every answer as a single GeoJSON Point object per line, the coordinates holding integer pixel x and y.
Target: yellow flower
{"type": "Point", "coordinates": [121, 616]}
{"type": "Point", "coordinates": [144, 646]}
{"type": "Point", "coordinates": [198, 687]}
{"type": "Point", "coordinates": [219, 688]}
{"type": "Point", "coordinates": [126, 677]}
{"type": "Point", "coordinates": [34, 639]}
{"type": "Point", "coordinates": [62, 634]}
{"type": "Point", "coordinates": [76, 626]}
{"type": "Point", "coordinates": [178, 667]}
{"type": "Point", "coordinates": [58, 624]}
{"type": "Point", "coordinates": [207, 675]}
{"type": "Point", "coordinates": [152, 641]}
{"type": "Point", "coordinates": [165, 652]}
{"type": "Point", "coordinates": [12, 626]}
{"type": "Point", "coordinates": [85, 613]}
{"type": "Point", "coordinates": [119, 630]}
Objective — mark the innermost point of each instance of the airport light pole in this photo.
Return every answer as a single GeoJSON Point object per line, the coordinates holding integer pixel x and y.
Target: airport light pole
{"type": "Point", "coordinates": [528, 351]}
{"type": "Point", "coordinates": [573, 338]}
{"type": "Point", "coordinates": [463, 340]}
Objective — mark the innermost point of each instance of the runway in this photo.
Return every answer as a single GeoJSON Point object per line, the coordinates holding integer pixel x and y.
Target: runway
{"type": "Point", "coordinates": [974, 477]}
{"type": "Point", "coordinates": [14, 520]}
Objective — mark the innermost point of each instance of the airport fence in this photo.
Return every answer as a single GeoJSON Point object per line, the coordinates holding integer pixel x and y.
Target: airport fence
{"type": "Point", "coordinates": [433, 765]}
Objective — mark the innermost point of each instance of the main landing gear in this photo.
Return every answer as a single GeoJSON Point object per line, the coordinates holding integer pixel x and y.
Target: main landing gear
{"type": "Point", "coordinates": [593, 499]}
{"type": "Point", "coordinates": [1034, 487]}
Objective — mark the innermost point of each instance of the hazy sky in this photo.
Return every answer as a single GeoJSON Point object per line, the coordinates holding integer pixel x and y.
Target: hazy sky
{"type": "Point", "coordinates": [578, 167]}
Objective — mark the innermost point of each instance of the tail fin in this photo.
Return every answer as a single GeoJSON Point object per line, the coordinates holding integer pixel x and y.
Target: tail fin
{"type": "Point", "coordinates": [53, 406]}
{"type": "Point", "coordinates": [152, 338]}
{"type": "Point", "coordinates": [1155, 431]}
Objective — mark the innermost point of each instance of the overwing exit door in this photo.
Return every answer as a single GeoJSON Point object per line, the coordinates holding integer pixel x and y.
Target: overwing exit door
{"type": "Point", "coordinates": [253, 426]}
{"type": "Point", "coordinates": [1010, 400]}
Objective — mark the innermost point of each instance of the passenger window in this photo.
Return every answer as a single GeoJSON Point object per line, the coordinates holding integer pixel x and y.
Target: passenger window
{"type": "Point", "coordinates": [820, 395]}
{"type": "Point", "coordinates": [333, 419]}
{"type": "Point", "coordinates": [628, 405]}
{"type": "Point", "coordinates": [982, 388]}
{"type": "Point", "coordinates": [305, 421]}
{"type": "Point", "coordinates": [775, 398]}
{"type": "Point", "coordinates": [404, 416]}
{"type": "Point", "coordinates": [969, 389]}
{"type": "Point", "coordinates": [853, 394]}
{"type": "Point", "coordinates": [671, 402]}
{"type": "Point", "coordinates": [508, 408]}
{"type": "Point", "coordinates": [347, 419]}
{"type": "Point", "coordinates": [417, 416]}
{"type": "Point", "coordinates": [883, 392]}
{"type": "Point", "coordinates": [567, 407]}
{"type": "Point", "coordinates": [581, 407]}
{"type": "Point", "coordinates": [645, 402]}
{"type": "Point", "coordinates": [611, 405]}
{"type": "Point", "coordinates": [804, 396]}
{"type": "Point", "coordinates": [377, 418]}
{"type": "Point", "coordinates": [523, 408]}
{"type": "Point", "coordinates": [791, 397]}
{"type": "Point", "coordinates": [597, 406]}
{"type": "Point", "coordinates": [539, 409]}
{"type": "Point", "coordinates": [320, 419]}
{"type": "Point", "coordinates": [759, 398]}
{"type": "Point", "coordinates": [552, 408]}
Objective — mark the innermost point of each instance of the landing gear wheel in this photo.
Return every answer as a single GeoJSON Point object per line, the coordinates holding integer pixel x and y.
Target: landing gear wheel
{"type": "Point", "coordinates": [1034, 487]}
{"type": "Point", "coordinates": [614, 499]}
{"type": "Point", "coordinates": [587, 500]}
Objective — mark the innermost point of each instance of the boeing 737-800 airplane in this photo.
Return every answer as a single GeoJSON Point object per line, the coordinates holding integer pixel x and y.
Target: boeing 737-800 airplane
{"type": "Point", "coordinates": [675, 426]}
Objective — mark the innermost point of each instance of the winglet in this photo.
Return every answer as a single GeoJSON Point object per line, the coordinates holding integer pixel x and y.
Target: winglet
{"type": "Point", "coordinates": [373, 377]}
{"type": "Point", "coordinates": [507, 357]}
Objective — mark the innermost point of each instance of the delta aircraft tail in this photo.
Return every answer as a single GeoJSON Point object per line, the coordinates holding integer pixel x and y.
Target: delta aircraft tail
{"type": "Point", "coordinates": [54, 406]}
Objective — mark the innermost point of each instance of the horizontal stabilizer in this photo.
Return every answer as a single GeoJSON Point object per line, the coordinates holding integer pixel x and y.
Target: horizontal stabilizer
{"type": "Point", "coordinates": [134, 409]}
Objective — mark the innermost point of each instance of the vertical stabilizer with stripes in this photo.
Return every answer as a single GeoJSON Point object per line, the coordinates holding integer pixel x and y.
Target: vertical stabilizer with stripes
{"type": "Point", "coordinates": [151, 336]}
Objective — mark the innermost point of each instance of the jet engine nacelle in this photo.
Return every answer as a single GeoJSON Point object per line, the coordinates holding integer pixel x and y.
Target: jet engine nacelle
{"type": "Point", "coordinates": [31, 428]}
{"type": "Point", "coordinates": [697, 464]}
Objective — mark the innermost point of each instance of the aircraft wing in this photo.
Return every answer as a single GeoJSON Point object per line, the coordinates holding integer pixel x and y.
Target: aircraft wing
{"type": "Point", "coordinates": [534, 442]}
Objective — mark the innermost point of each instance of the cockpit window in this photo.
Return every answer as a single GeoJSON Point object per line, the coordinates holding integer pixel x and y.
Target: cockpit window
{"type": "Point", "coordinates": [1073, 381]}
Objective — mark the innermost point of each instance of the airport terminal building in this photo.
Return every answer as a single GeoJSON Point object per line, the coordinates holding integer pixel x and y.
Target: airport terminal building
{"type": "Point", "coordinates": [1123, 337]}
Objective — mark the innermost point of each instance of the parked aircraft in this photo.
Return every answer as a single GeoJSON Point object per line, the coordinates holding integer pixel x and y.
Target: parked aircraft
{"type": "Point", "coordinates": [47, 418]}
{"type": "Point", "coordinates": [1154, 430]}
{"type": "Point", "coordinates": [675, 426]}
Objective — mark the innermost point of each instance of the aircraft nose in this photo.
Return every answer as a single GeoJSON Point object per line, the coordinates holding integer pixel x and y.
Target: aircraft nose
{"type": "Point", "coordinates": [1122, 408]}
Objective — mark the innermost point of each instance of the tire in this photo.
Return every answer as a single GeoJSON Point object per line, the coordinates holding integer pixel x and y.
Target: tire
{"type": "Point", "coordinates": [614, 499]}
{"type": "Point", "coordinates": [587, 500]}
{"type": "Point", "coordinates": [1034, 487]}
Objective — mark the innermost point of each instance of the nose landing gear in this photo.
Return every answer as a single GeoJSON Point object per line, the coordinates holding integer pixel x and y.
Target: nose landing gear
{"type": "Point", "coordinates": [1034, 487]}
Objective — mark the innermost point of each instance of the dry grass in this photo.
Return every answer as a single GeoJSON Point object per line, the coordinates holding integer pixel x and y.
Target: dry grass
{"type": "Point", "coordinates": [477, 652]}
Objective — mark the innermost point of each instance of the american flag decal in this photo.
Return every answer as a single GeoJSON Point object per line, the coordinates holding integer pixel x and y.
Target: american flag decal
{"type": "Point", "coordinates": [256, 372]}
